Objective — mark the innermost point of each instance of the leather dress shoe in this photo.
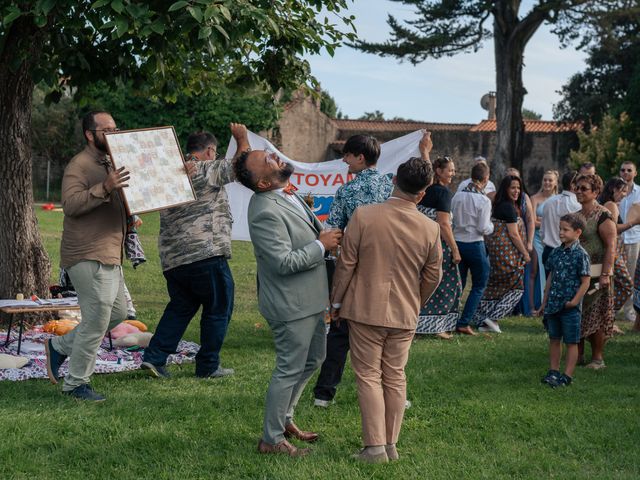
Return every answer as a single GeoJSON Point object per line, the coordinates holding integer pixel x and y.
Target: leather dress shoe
{"type": "Point", "coordinates": [291, 430]}
{"type": "Point", "coordinates": [282, 447]}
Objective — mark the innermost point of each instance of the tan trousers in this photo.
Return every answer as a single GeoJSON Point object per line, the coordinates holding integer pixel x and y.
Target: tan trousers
{"type": "Point", "coordinates": [378, 358]}
{"type": "Point", "coordinates": [631, 250]}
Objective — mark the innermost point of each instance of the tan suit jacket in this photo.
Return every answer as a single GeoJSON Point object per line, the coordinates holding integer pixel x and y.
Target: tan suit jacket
{"type": "Point", "coordinates": [390, 264]}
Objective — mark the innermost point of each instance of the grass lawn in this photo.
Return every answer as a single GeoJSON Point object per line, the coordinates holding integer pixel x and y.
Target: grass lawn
{"type": "Point", "coordinates": [479, 410]}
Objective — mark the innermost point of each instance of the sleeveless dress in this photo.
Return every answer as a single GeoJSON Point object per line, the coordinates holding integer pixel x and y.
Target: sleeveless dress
{"type": "Point", "coordinates": [539, 248]}
{"type": "Point", "coordinates": [597, 307]}
{"type": "Point", "coordinates": [440, 314]}
{"type": "Point", "coordinates": [506, 278]}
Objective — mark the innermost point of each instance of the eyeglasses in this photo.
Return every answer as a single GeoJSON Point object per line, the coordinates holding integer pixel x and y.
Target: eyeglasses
{"type": "Point", "coordinates": [583, 188]}
{"type": "Point", "coordinates": [105, 130]}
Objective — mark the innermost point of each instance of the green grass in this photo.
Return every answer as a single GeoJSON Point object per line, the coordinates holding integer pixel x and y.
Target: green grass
{"type": "Point", "coordinates": [479, 410]}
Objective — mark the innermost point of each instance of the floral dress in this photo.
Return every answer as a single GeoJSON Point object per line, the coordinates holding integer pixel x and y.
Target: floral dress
{"type": "Point", "coordinates": [506, 278]}
{"type": "Point", "coordinates": [440, 314]}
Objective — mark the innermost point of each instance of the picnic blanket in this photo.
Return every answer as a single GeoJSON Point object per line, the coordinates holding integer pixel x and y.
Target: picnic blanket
{"type": "Point", "coordinates": [117, 360]}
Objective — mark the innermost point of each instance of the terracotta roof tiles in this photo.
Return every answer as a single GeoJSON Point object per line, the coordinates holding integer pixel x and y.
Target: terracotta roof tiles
{"type": "Point", "coordinates": [532, 126]}
{"type": "Point", "coordinates": [397, 125]}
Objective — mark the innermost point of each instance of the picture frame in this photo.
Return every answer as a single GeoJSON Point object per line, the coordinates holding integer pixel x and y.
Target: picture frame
{"type": "Point", "coordinates": [158, 178]}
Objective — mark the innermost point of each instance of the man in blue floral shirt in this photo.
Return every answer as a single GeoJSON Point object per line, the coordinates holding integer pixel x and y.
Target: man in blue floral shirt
{"type": "Point", "coordinates": [369, 186]}
{"type": "Point", "coordinates": [570, 274]}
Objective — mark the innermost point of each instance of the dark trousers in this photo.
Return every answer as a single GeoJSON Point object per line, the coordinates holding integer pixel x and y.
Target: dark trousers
{"type": "Point", "coordinates": [474, 260]}
{"type": "Point", "coordinates": [337, 349]}
{"type": "Point", "coordinates": [207, 283]}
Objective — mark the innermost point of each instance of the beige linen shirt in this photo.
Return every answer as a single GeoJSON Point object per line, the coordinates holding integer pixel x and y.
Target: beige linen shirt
{"type": "Point", "coordinates": [94, 224]}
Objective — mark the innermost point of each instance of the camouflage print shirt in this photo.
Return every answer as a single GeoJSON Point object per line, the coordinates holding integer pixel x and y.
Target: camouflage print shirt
{"type": "Point", "coordinates": [201, 229]}
{"type": "Point", "coordinates": [368, 187]}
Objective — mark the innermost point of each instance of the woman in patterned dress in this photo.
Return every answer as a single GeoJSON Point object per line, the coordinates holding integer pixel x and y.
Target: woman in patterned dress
{"type": "Point", "coordinates": [508, 255]}
{"type": "Point", "coordinates": [440, 314]}
{"type": "Point", "coordinates": [612, 194]}
{"type": "Point", "coordinates": [599, 240]}
{"type": "Point", "coordinates": [537, 281]}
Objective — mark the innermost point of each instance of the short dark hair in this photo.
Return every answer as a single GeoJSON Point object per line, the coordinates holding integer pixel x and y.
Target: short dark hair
{"type": "Point", "coordinates": [479, 171]}
{"type": "Point", "coordinates": [587, 165]}
{"type": "Point", "coordinates": [198, 141]}
{"type": "Point", "coordinates": [363, 145]}
{"type": "Point", "coordinates": [414, 176]}
{"type": "Point", "coordinates": [89, 120]}
{"type": "Point", "coordinates": [567, 179]}
{"type": "Point", "coordinates": [575, 221]}
{"type": "Point", "coordinates": [243, 174]}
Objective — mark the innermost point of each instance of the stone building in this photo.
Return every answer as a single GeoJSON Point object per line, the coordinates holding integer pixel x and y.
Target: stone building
{"type": "Point", "coordinates": [306, 134]}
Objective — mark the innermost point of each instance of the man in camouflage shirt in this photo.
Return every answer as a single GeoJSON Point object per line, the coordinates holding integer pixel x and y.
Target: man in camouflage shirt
{"type": "Point", "coordinates": [194, 245]}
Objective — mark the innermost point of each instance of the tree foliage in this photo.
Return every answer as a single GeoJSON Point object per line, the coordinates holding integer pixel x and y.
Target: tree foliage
{"type": "Point", "coordinates": [611, 81]}
{"type": "Point", "coordinates": [607, 146]}
{"type": "Point", "coordinates": [169, 47]}
{"type": "Point", "coordinates": [531, 115]}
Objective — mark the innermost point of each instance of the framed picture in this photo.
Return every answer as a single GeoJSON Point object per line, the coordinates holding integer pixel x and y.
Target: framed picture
{"type": "Point", "coordinates": [156, 165]}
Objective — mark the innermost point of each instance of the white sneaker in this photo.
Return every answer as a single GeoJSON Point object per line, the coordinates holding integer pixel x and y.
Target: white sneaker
{"type": "Point", "coordinates": [489, 326]}
{"type": "Point", "coordinates": [321, 403]}
{"type": "Point", "coordinates": [407, 404]}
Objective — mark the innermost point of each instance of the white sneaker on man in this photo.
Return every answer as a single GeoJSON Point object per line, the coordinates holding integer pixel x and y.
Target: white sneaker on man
{"type": "Point", "coordinates": [489, 326]}
{"type": "Point", "coordinates": [321, 403]}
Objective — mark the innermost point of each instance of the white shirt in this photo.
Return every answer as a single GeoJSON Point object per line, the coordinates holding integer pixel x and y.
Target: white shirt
{"type": "Point", "coordinates": [633, 234]}
{"type": "Point", "coordinates": [471, 216]}
{"type": "Point", "coordinates": [552, 211]}
{"type": "Point", "coordinates": [490, 188]}
{"type": "Point", "coordinates": [295, 200]}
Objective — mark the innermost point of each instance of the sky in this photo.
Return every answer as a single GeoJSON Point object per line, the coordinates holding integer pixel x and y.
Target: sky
{"type": "Point", "coordinates": [444, 90]}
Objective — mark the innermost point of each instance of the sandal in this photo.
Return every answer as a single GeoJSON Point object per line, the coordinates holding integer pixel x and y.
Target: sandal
{"type": "Point", "coordinates": [596, 365]}
{"type": "Point", "coordinates": [617, 330]}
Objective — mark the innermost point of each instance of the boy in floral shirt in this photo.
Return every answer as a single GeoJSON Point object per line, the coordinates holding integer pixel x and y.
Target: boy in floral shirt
{"type": "Point", "coordinates": [570, 273]}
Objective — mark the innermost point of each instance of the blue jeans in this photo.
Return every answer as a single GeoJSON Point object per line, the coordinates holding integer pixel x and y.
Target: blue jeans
{"type": "Point", "coordinates": [474, 259]}
{"type": "Point", "coordinates": [207, 283]}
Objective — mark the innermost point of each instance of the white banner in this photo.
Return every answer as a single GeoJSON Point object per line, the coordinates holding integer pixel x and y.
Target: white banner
{"type": "Point", "coordinates": [320, 179]}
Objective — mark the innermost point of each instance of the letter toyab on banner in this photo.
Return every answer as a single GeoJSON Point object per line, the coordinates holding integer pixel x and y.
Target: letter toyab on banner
{"type": "Point", "coordinates": [156, 166]}
{"type": "Point", "coordinates": [320, 180]}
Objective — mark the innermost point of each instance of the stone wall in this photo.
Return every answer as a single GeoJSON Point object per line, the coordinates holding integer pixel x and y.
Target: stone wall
{"type": "Point", "coordinates": [304, 132]}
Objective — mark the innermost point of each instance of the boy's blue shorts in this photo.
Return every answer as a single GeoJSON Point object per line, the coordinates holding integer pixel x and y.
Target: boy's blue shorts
{"type": "Point", "coordinates": [564, 325]}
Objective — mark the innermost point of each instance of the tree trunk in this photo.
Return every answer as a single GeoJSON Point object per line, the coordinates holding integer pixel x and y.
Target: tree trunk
{"type": "Point", "coordinates": [511, 35]}
{"type": "Point", "coordinates": [509, 99]}
{"type": "Point", "coordinates": [24, 264]}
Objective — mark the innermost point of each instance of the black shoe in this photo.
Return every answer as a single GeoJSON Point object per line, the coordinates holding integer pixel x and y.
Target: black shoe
{"type": "Point", "coordinates": [157, 371]}
{"type": "Point", "coordinates": [220, 372]}
{"type": "Point", "coordinates": [563, 381]}
{"type": "Point", "coordinates": [551, 378]}
{"type": "Point", "coordinates": [54, 361]}
{"type": "Point", "coordinates": [85, 392]}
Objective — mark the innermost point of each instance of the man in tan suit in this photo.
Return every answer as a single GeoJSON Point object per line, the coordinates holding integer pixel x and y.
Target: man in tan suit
{"type": "Point", "coordinates": [389, 266]}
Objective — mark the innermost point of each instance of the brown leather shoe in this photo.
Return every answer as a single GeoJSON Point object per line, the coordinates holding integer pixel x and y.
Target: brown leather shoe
{"type": "Point", "coordinates": [292, 430]}
{"type": "Point", "coordinates": [282, 447]}
{"type": "Point", "coordinates": [465, 331]}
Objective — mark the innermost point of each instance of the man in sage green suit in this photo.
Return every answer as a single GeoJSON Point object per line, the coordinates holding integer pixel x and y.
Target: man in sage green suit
{"type": "Point", "coordinates": [289, 244]}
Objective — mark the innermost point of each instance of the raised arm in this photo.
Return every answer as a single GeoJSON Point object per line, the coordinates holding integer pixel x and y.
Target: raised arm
{"type": "Point", "coordinates": [79, 198]}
